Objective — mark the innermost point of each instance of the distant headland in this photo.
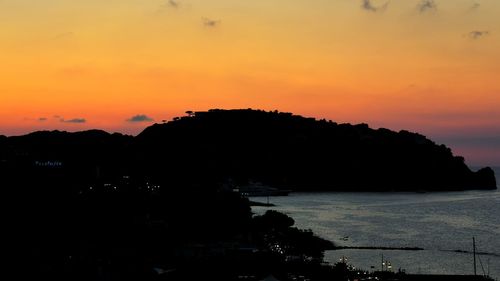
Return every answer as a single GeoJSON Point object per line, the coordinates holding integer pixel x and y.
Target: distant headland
{"type": "Point", "coordinates": [275, 148]}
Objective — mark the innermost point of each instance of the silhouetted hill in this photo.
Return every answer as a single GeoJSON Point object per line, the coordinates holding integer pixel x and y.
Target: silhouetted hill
{"type": "Point", "coordinates": [61, 158]}
{"type": "Point", "coordinates": [287, 150]}
{"type": "Point", "coordinates": [279, 149]}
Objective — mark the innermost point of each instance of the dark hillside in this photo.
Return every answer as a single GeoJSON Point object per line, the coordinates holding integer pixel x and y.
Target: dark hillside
{"type": "Point", "coordinates": [282, 149]}
{"type": "Point", "coordinates": [206, 148]}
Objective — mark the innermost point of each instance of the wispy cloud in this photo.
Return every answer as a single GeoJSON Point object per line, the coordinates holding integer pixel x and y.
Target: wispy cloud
{"type": "Point", "coordinates": [169, 5]}
{"type": "Point", "coordinates": [477, 34]}
{"type": "Point", "coordinates": [42, 119]}
{"type": "Point", "coordinates": [475, 6]}
{"type": "Point", "coordinates": [74, 120]}
{"type": "Point", "coordinates": [367, 5]}
{"type": "Point", "coordinates": [140, 118]}
{"type": "Point", "coordinates": [210, 22]}
{"type": "Point", "coordinates": [173, 4]}
{"type": "Point", "coordinates": [426, 6]}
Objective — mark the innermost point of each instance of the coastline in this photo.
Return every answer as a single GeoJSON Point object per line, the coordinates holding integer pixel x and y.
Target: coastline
{"type": "Point", "coordinates": [373, 221]}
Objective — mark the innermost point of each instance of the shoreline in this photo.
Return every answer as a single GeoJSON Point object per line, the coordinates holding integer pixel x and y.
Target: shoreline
{"type": "Point", "coordinates": [377, 248]}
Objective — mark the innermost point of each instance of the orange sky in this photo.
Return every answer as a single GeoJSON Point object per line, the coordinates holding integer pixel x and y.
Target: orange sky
{"type": "Point", "coordinates": [427, 66]}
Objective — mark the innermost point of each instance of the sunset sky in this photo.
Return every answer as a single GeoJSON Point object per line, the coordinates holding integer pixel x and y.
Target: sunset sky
{"type": "Point", "coordinates": [430, 66]}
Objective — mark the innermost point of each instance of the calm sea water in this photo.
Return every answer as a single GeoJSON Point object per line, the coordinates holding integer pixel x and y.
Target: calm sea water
{"type": "Point", "coordinates": [438, 222]}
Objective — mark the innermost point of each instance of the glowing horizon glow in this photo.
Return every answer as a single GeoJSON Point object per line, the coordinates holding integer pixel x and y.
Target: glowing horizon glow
{"type": "Point", "coordinates": [432, 71]}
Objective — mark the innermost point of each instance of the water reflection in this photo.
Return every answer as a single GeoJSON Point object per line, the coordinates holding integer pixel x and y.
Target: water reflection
{"type": "Point", "coordinates": [438, 222]}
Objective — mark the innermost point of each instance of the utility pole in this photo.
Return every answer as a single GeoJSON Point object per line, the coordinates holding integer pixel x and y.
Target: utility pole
{"type": "Point", "coordinates": [488, 266]}
{"type": "Point", "coordinates": [474, 252]}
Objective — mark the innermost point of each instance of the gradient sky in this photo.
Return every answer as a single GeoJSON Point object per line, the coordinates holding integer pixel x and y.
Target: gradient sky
{"type": "Point", "coordinates": [422, 65]}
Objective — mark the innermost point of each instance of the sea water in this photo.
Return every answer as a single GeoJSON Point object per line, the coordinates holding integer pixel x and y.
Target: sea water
{"type": "Point", "coordinates": [441, 223]}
